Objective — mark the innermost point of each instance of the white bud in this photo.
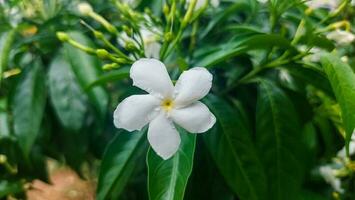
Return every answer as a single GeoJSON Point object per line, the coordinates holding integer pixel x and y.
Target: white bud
{"type": "Point", "coordinates": [84, 8]}
{"type": "Point", "coordinates": [341, 37]}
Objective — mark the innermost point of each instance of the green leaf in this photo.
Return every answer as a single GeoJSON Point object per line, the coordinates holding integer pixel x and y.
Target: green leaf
{"type": "Point", "coordinates": [167, 179]}
{"type": "Point", "coordinates": [28, 105]}
{"type": "Point", "coordinates": [4, 121]}
{"type": "Point", "coordinates": [119, 162]}
{"type": "Point", "coordinates": [311, 76]}
{"type": "Point", "coordinates": [109, 77]}
{"type": "Point", "coordinates": [10, 188]}
{"type": "Point", "coordinates": [226, 51]}
{"type": "Point", "coordinates": [279, 141]}
{"type": "Point", "coordinates": [87, 70]}
{"type": "Point", "coordinates": [342, 79]}
{"type": "Point", "coordinates": [6, 40]}
{"type": "Point", "coordinates": [232, 149]}
{"type": "Point", "coordinates": [68, 99]}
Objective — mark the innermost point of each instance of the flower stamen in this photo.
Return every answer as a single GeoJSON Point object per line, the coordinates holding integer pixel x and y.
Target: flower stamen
{"type": "Point", "coordinates": [167, 104]}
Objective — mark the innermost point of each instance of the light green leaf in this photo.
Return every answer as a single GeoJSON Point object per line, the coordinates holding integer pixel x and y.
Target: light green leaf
{"type": "Point", "coordinates": [231, 147]}
{"type": "Point", "coordinates": [109, 77]}
{"type": "Point", "coordinates": [167, 179]}
{"type": "Point", "coordinates": [87, 70]}
{"type": "Point", "coordinates": [68, 99]}
{"type": "Point", "coordinates": [119, 162]}
{"type": "Point", "coordinates": [6, 40]}
{"type": "Point", "coordinates": [28, 105]}
{"type": "Point", "coordinates": [278, 137]}
{"type": "Point", "coordinates": [342, 79]}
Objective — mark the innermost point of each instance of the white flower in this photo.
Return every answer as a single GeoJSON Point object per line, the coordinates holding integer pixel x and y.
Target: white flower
{"type": "Point", "coordinates": [328, 4]}
{"type": "Point", "coordinates": [328, 173]}
{"type": "Point", "coordinates": [314, 56]}
{"type": "Point", "coordinates": [151, 45]}
{"type": "Point", "coordinates": [150, 38]}
{"type": "Point", "coordinates": [262, 1]}
{"type": "Point", "coordinates": [342, 152]}
{"type": "Point", "coordinates": [202, 3]}
{"type": "Point", "coordinates": [84, 8]}
{"type": "Point", "coordinates": [165, 105]}
{"type": "Point", "coordinates": [341, 37]}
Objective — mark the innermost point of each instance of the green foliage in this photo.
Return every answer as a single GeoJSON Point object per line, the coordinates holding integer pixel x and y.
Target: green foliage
{"type": "Point", "coordinates": [284, 105]}
{"type": "Point", "coordinates": [342, 79]}
{"type": "Point", "coordinates": [233, 151]}
{"type": "Point", "coordinates": [168, 179]}
{"type": "Point", "coordinates": [28, 105]}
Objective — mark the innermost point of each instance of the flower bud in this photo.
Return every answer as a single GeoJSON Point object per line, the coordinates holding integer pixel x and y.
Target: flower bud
{"type": "Point", "coordinates": [98, 34]}
{"type": "Point", "coordinates": [130, 46]}
{"type": "Point", "coordinates": [110, 66]}
{"type": "Point", "coordinates": [62, 36]}
{"type": "Point", "coordinates": [127, 30]}
{"type": "Point", "coordinates": [3, 159]}
{"type": "Point", "coordinates": [85, 8]}
{"type": "Point", "coordinates": [102, 53]}
{"type": "Point", "coordinates": [168, 36]}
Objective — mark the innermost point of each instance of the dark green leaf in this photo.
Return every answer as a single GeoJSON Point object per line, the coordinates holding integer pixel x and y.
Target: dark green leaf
{"type": "Point", "coordinates": [233, 151]}
{"type": "Point", "coordinates": [68, 99]}
{"type": "Point", "coordinates": [342, 79]}
{"type": "Point", "coordinates": [28, 105]}
{"type": "Point", "coordinates": [278, 136]}
{"type": "Point", "coordinates": [167, 179]}
{"type": "Point", "coordinates": [311, 76]}
{"type": "Point", "coordinates": [119, 162]}
{"type": "Point", "coordinates": [87, 70]}
{"type": "Point", "coordinates": [223, 52]}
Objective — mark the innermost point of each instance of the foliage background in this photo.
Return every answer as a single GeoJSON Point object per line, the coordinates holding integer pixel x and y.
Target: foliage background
{"type": "Point", "coordinates": [281, 113]}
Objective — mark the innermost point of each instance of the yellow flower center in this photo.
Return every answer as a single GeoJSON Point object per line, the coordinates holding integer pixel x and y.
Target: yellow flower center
{"type": "Point", "coordinates": [167, 104]}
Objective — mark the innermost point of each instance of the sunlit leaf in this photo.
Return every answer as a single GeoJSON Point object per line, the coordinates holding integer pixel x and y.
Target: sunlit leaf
{"type": "Point", "coordinates": [342, 79]}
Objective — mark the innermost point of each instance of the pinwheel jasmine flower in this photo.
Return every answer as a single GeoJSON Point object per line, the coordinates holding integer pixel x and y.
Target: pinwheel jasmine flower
{"type": "Point", "coordinates": [165, 105]}
{"type": "Point", "coordinates": [341, 37]}
{"type": "Point", "coordinates": [328, 4]}
{"type": "Point", "coordinates": [150, 38]}
{"type": "Point", "coordinates": [329, 175]}
{"type": "Point", "coordinates": [202, 3]}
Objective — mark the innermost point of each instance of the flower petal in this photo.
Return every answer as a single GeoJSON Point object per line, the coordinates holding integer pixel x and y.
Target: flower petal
{"type": "Point", "coordinates": [195, 118]}
{"type": "Point", "coordinates": [163, 136]}
{"type": "Point", "coordinates": [192, 85]}
{"type": "Point", "coordinates": [151, 75]}
{"type": "Point", "coordinates": [134, 112]}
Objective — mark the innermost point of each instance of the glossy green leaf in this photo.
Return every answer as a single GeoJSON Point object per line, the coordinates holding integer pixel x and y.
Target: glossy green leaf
{"type": "Point", "coordinates": [311, 76]}
{"type": "Point", "coordinates": [226, 51]}
{"type": "Point", "coordinates": [6, 40]}
{"type": "Point", "coordinates": [87, 70]}
{"type": "Point", "coordinates": [278, 137]}
{"type": "Point", "coordinates": [342, 79]}
{"type": "Point", "coordinates": [167, 179]}
{"type": "Point", "coordinates": [68, 99]}
{"type": "Point", "coordinates": [109, 77]}
{"type": "Point", "coordinates": [119, 161]}
{"type": "Point", "coordinates": [231, 147]}
{"type": "Point", "coordinates": [28, 105]}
